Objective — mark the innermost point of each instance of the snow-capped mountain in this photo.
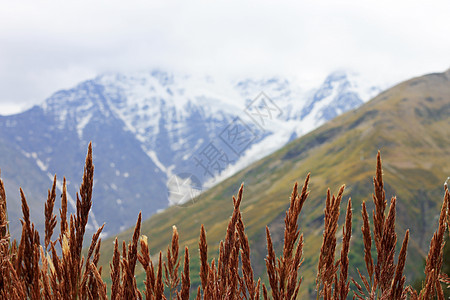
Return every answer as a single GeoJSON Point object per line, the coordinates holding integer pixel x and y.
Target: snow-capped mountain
{"type": "Point", "coordinates": [159, 138]}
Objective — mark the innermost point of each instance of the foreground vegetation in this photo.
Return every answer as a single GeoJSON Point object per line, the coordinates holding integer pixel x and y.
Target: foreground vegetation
{"type": "Point", "coordinates": [57, 269]}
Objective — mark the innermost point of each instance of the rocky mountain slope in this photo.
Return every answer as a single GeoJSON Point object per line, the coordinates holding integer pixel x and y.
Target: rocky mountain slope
{"type": "Point", "coordinates": [158, 138]}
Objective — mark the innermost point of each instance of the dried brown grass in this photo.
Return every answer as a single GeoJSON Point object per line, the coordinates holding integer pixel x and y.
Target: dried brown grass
{"type": "Point", "coordinates": [30, 270]}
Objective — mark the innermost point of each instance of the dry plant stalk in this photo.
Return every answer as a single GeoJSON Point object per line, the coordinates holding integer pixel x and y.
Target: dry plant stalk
{"type": "Point", "coordinates": [386, 279]}
{"type": "Point", "coordinates": [326, 269]}
{"type": "Point", "coordinates": [50, 218]}
{"type": "Point", "coordinates": [283, 271]}
{"type": "Point", "coordinates": [434, 259]}
{"type": "Point", "coordinates": [3, 211]}
{"type": "Point", "coordinates": [203, 249]}
{"type": "Point", "coordinates": [34, 271]}
{"type": "Point", "coordinates": [224, 280]}
{"type": "Point", "coordinates": [37, 272]}
{"type": "Point", "coordinates": [63, 211]}
{"type": "Point", "coordinates": [185, 278]}
{"type": "Point", "coordinates": [367, 238]}
{"type": "Point", "coordinates": [342, 288]}
{"type": "Point", "coordinates": [171, 268]}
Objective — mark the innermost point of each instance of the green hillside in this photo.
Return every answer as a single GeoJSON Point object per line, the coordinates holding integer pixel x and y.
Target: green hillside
{"type": "Point", "coordinates": [409, 123]}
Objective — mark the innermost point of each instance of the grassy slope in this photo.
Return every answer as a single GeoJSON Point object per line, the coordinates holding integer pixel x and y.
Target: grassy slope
{"type": "Point", "coordinates": [408, 123]}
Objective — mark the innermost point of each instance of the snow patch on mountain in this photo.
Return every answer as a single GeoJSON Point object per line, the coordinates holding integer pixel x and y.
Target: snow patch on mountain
{"type": "Point", "coordinates": [81, 124]}
{"type": "Point", "coordinates": [154, 157]}
{"type": "Point", "coordinates": [41, 165]}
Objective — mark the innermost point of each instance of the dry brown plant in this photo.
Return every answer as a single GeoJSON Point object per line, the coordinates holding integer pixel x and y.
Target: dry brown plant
{"type": "Point", "coordinates": [30, 270]}
{"type": "Point", "coordinates": [386, 279]}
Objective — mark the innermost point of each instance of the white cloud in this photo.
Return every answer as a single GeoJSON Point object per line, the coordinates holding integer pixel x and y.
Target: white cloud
{"type": "Point", "coordinates": [49, 45]}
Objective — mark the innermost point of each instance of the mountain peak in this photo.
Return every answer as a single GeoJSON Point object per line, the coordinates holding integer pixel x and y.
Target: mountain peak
{"type": "Point", "coordinates": [338, 75]}
{"type": "Point", "coordinates": [153, 128]}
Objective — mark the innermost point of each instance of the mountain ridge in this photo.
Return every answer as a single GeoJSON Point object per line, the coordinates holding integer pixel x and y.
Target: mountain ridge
{"type": "Point", "coordinates": [151, 130]}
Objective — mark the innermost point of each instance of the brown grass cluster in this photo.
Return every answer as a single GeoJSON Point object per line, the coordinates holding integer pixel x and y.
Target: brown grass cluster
{"type": "Point", "coordinates": [30, 270]}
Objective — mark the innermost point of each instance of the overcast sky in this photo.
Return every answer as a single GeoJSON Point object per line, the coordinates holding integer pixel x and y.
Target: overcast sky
{"type": "Point", "coordinates": [49, 45]}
